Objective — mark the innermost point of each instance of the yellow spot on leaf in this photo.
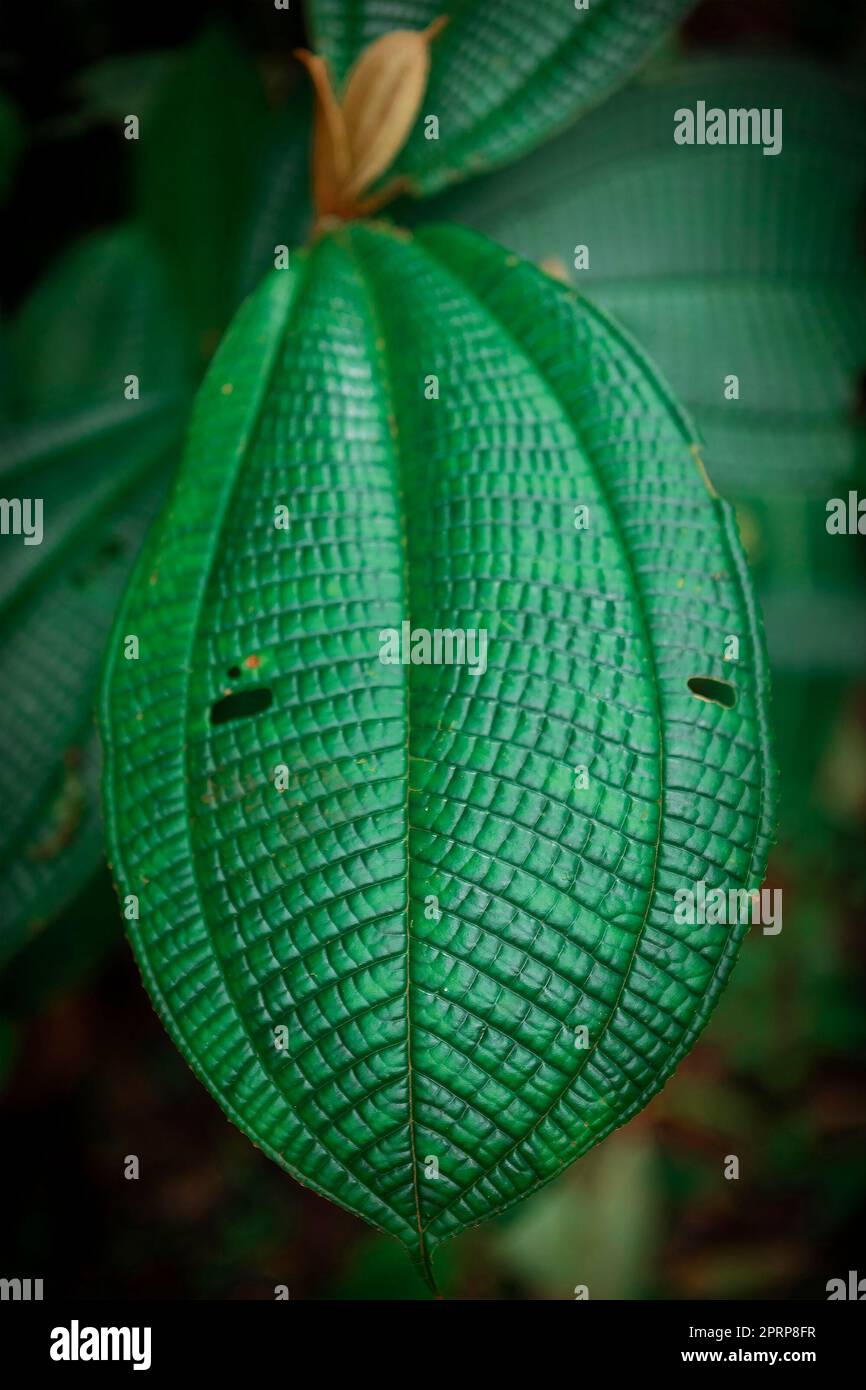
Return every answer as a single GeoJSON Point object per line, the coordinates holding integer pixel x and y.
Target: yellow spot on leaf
{"type": "Point", "coordinates": [556, 269]}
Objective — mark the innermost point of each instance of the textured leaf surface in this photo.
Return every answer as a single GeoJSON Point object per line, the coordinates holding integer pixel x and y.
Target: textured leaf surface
{"type": "Point", "coordinates": [409, 1038]}
{"type": "Point", "coordinates": [721, 260]}
{"type": "Point", "coordinates": [504, 76]}
{"type": "Point", "coordinates": [96, 460]}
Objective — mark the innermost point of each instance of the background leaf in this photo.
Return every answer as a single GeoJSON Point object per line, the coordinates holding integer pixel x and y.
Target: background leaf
{"type": "Point", "coordinates": [504, 77]}
{"type": "Point", "coordinates": [103, 310]}
{"type": "Point", "coordinates": [100, 465]}
{"type": "Point", "coordinates": [198, 164]}
{"type": "Point", "coordinates": [260, 907]}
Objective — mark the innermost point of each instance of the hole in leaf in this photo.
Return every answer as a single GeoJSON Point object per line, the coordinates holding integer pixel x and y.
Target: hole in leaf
{"type": "Point", "coordinates": [717, 692]}
{"type": "Point", "coordinates": [241, 705]}
{"type": "Point", "coordinates": [234, 672]}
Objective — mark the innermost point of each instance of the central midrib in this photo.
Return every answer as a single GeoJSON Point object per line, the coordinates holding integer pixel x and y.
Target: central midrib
{"type": "Point", "coordinates": [380, 350]}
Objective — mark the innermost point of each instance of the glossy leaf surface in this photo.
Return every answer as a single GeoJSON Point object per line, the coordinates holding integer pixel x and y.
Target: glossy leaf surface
{"type": "Point", "coordinates": [376, 907]}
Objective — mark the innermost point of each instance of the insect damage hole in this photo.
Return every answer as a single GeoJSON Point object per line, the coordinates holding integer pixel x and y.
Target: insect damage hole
{"type": "Point", "coordinates": [241, 704]}
{"type": "Point", "coordinates": [716, 691]}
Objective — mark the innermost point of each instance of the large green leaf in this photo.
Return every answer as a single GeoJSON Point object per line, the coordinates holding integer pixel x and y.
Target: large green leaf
{"type": "Point", "coordinates": [723, 261]}
{"type": "Point", "coordinates": [437, 901]}
{"type": "Point", "coordinates": [504, 76]}
{"type": "Point", "coordinates": [97, 463]}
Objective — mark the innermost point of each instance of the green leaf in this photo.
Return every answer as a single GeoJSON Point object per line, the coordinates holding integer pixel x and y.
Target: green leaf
{"type": "Point", "coordinates": [99, 470]}
{"type": "Point", "coordinates": [504, 77]}
{"type": "Point", "coordinates": [198, 163]}
{"type": "Point", "coordinates": [723, 261]}
{"type": "Point", "coordinates": [422, 791]}
{"type": "Point", "coordinates": [102, 311]}
{"type": "Point", "coordinates": [57, 602]}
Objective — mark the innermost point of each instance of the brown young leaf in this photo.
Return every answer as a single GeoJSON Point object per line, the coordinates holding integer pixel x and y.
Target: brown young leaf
{"type": "Point", "coordinates": [356, 139]}
{"type": "Point", "coordinates": [382, 98]}
{"type": "Point", "coordinates": [331, 156]}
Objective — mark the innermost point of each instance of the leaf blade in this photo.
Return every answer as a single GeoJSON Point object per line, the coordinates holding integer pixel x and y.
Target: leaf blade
{"type": "Point", "coordinates": [408, 1040]}
{"type": "Point", "coordinates": [96, 461]}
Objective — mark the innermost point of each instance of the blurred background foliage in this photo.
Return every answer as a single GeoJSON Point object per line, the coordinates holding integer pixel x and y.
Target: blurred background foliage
{"type": "Point", "coordinates": [131, 257]}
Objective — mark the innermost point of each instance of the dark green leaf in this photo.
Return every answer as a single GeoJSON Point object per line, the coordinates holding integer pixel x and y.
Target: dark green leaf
{"type": "Point", "coordinates": [102, 311]}
{"type": "Point", "coordinates": [57, 601]}
{"type": "Point", "coordinates": [99, 471]}
{"type": "Point", "coordinates": [425, 789]}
